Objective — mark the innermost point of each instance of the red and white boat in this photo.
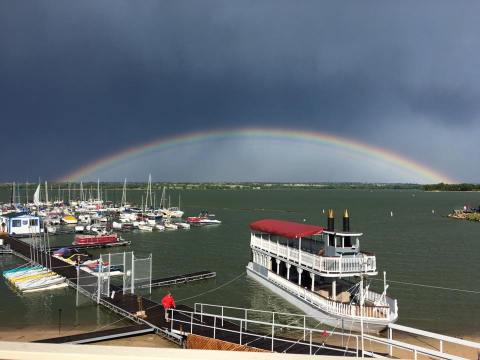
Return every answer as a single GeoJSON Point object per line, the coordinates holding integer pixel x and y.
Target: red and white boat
{"type": "Point", "coordinates": [96, 239]}
{"type": "Point", "coordinates": [203, 219]}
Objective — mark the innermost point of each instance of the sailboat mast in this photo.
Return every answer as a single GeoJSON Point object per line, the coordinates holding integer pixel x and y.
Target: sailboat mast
{"type": "Point", "coordinates": [46, 192]}
{"type": "Point", "coordinates": [150, 183]}
{"type": "Point", "coordinates": [98, 190]}
{"type": "Point", "coordinates": [13, 193]}
{"type": "Point", "coordinates": [124, 192]}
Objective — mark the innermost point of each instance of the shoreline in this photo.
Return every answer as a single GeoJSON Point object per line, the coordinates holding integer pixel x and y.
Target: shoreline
{"type": "Point", "coordinates": [33, 333]}
{"type": "Point", "coordinates": [36, 332]}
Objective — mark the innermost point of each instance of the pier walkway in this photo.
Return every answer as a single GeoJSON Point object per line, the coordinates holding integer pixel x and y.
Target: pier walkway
{"type": "Point", "coordinates": [101, 335]}
{"type": "Point", "coordinates": [185, 320]}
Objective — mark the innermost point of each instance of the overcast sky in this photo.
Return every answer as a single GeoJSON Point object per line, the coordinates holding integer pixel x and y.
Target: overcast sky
{"type": "Point", "coordinates": [80, 80]}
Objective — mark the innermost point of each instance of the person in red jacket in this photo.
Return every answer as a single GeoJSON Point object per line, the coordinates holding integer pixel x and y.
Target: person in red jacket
{"type": "Point", "coordinates": [168, 302]}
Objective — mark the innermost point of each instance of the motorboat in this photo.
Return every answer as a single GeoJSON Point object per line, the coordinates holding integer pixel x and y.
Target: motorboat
{"type": "Point", "coordinates": [96, 239]}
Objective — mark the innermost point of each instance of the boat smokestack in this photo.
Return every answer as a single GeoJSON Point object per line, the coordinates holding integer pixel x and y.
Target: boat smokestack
{"type": "Point", "coordinates": [346, 221]}
{"type": "Point", "coordinates": [346, 228]}
{"type": "Point", "coordinates": [331, 221]}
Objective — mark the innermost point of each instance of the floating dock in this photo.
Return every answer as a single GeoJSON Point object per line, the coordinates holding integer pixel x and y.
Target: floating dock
{"type": "Point", "coordinates": [182, 279]}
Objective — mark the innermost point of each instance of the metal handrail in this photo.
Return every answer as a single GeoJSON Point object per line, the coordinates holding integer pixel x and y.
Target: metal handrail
{"type": "Point", "coordinates": [324, 265]}
{"type": "Point", "coordinates": [243, 326]}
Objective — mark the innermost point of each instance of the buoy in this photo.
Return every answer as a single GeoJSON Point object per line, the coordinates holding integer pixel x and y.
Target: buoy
{"type": "Point", "coordinates": [433, 211]}
{"type": "Point", "coordinates": [391, 213]}
{"type": "Point", "coordinates": [323, 211]}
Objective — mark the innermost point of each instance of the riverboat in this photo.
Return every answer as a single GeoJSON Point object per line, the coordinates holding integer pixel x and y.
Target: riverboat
{"type": "Point", "coordinates": [321, 271]}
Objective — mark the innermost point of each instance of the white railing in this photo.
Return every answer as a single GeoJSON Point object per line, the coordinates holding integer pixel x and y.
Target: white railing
{"type": "Point", "coordinates": [332, 266]}
{"type": "Point", "coordinates": [330, 306]}
{"type": "Point", "coordinates": [189, 319]}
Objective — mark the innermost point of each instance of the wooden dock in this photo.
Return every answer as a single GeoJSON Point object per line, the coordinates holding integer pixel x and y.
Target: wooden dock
{"type": "Point", "coordinates": [185, 321]}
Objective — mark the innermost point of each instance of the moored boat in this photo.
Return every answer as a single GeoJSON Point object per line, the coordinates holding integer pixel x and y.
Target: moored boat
{"type": "Point", "coordinates": [204, 218]}
{"type": "Point", "coordinates": [95, 239]}
{"type": "Point", "coordinates": [317, 270]}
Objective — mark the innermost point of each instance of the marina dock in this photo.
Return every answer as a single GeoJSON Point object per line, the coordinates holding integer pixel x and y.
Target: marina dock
{"type": "Point", "coordinates": [212, 327]}
{"type": "Point", "coordinates": [185, 321]}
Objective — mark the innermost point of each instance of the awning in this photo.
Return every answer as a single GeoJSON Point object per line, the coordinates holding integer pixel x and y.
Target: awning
{"type": "Point", "coordinates": [286, 229]}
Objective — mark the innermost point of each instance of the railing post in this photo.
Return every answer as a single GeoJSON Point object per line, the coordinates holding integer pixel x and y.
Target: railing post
{"type": "Point", "coordinates": [304, 327]}
{"type": "Point", "coordinates": [191, 323]}
{"type": "Point", "coordinates": [390, 337]}
{"type": "Point", "coordinates": [171, 321]}
{"type": "Point", "coordinates": [310, 342]}
{"type": "Point", "coordinates": [441, 346]}
{"type": "Point", "coordinates": [241, 325]}
{"type": "Point", "coordinates": [201, 313]}
{"type": "Point", "coordinates": [222, 315]}
{"type": "Point", "coordinates": [214, 325]}
{"type": "Point", "coordinates": [415, 354]}
{"type": "Point", "coordinates": [356, 350]}
{"type": "Point", "coordinates": [273, 329]}
{"type": "Point", "coordinates": [245, 319]}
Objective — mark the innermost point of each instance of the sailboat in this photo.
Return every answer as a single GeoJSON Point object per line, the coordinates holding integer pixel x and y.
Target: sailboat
{"type": "Point", "coordinates": [36, 196]}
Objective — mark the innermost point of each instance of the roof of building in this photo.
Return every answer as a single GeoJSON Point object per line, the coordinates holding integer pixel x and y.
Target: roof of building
{"type": "Point", "coordinates": [288, 229]}
{"type": "Point", "coordinates": [16, 215]}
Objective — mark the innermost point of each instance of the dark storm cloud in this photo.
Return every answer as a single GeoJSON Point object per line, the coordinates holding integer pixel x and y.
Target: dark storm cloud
{"type": "Point", "coordinates": [88, 78]}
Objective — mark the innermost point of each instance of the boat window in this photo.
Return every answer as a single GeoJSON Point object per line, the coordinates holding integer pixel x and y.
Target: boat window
{"type": "Point", "coordinates": [16, 223]}
{"type": "Point", "coordinates": [338, 241]}
{"type": "Point", "coordinates": [24, 222]}
{"type": "Point", "coordinates": [348, 241]}
{"type": "Point", "coordinates": [33, 222]}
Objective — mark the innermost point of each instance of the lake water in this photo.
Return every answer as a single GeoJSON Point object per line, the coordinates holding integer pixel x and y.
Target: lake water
{"type": "Point", "coordinates": [414, 245]}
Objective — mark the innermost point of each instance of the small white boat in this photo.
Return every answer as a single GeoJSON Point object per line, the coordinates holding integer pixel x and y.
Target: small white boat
{"type": "Point", "coordinates": [51, 229]}
{"type": "Point", "coordinates": [116, 225]}
{"type": "Point", "coordinates": [41, 283]}
{"type": "Point", "coordinates": [183, 225]}
{"type": "Point", "coordinates": [69, 219]}
{"type": "Point", "coordinates": [175, 212]}
{"type": "Point", "coordinates": [160, 227]}
{"type": "Point", "coordinates": [170, 226]}
{"type": "Point", "coordinates": [145, 228]}
{"type": "Point", "coordinates": [79, 228]}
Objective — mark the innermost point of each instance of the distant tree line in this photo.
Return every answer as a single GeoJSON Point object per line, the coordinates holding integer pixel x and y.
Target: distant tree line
{"type": "Point", "coordinates": [251, 186]}
{"type": "Point", "coordinates": [452, 187]}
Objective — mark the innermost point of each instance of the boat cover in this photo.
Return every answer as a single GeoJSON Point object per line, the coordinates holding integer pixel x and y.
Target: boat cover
{"type": "Point", "coordinates": [288, 229]}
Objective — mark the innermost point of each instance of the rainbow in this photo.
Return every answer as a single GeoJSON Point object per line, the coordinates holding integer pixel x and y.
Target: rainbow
{"type": "Point", "coordinates": [276, 134]}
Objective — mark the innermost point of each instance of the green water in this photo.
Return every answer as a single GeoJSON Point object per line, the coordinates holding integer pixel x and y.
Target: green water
{"type": "Point", "coordinates": [415, 245]}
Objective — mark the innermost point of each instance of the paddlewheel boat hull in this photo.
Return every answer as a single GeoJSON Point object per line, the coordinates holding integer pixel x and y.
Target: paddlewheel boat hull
{"type": "Point", "coordinates": [302, 302]}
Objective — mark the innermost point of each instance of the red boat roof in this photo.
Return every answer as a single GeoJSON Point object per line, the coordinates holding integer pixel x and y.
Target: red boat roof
{"type": "Point", "coordinates": [286, 229]}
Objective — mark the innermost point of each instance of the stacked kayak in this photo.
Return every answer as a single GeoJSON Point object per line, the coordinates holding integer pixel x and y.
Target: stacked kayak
{"type": "Point", "coordinates": [34, 278]}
